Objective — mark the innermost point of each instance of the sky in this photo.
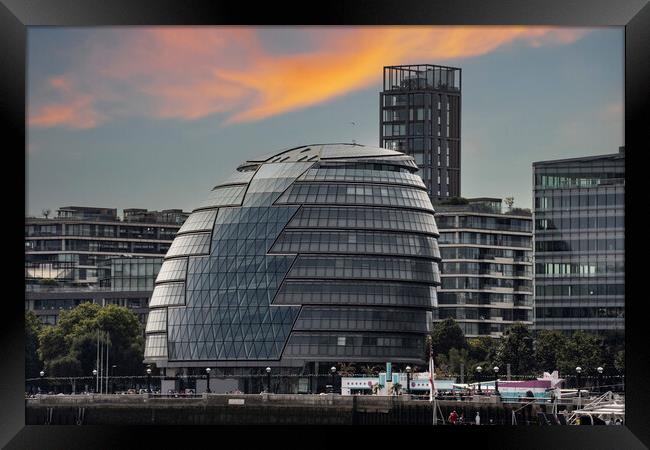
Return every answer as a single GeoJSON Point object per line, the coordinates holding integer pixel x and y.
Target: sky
{"type": "Point", "coordinates": [153, 117]}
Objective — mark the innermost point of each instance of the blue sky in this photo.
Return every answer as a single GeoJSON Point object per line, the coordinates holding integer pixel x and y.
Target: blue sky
{"type": "Point", "coordinates": [135, 118]}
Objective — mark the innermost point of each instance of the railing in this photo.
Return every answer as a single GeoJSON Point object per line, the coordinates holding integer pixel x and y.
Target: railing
{"type": "Point", "coordinates": [52, 288]}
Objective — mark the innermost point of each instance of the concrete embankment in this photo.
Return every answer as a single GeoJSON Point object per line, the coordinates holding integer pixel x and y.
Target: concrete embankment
{"type": "Point", "coordinates": [215, 409]}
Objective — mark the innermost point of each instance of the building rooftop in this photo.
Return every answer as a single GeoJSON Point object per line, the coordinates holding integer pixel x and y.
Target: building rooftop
{"type": "Point", "coordinates": [130, 215]}
{"type": "Point", "coordinates": [331, 152]}
{"type": "Point", "coordinates": [587, 159]}
{"type": "Point", "coordinates": [486, 205]}
{"type": "Point", "coordinates": [421, 77]}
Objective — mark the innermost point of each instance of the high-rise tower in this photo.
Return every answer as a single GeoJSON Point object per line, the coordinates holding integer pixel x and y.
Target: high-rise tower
{"type": "Point", "coordinates": [420, 116]}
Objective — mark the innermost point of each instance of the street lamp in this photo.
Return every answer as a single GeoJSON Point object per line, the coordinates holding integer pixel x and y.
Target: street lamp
{"type": "Point", "coordinates": [578, 372]}
{"type": "Point", "coordinates": [96, 380]}
{"type": "Point", "coordinates": [149, 380]}
{"type": "Point", "coordinates": [332, 372]}
{"type": "Point", "coordinates": [268, 380]}
{"type": "Point", "coordinates": [42, 373]}
{"type": "Point", "coordinates": [479, 369]}
{"type": "Point", "coordinates": [113, 376]}
{"type": "Point", "coordinates": [600, 378]}
{"type": "Point", "coordinates": [496, 380]}
{"type": "Point", "coordinates": [408, 380]}
{"type": "Point", "coordinates": [207, 371]}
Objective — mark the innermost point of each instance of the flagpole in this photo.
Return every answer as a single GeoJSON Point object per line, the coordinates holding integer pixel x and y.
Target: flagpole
{"type": "Point", "coordinates": [432, 396]}
{"type": "Point", "coordinates": [97, 366]}
{"type": "Point", "coordinates": [108, 338]}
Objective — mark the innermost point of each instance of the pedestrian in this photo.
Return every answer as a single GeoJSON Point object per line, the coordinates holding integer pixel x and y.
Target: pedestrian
{"type": "Point", "coordinates": [461, 419]}
{"type": "Point", "coordinates": [477, 420]}
{"type": "Point", "coordinates": [453, 417]}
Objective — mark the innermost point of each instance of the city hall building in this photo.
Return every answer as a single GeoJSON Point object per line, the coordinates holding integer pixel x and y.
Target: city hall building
{"type": "Point", "coordinates": [301, 260]}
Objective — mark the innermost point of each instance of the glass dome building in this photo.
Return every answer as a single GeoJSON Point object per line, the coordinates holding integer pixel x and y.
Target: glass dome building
{"type": "Point", "coordinates": [323, 254]}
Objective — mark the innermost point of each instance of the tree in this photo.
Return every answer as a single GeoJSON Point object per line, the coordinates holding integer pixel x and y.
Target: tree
{"type": "Point", "coordinates": [51, 343]}
{"type": "Point", "coordinates": [64, 366]}
{"type": "Point", "coordinates": [549, 345]}
{"type": "Point", "coordinates": [619, 361]}
{"type": "Point", "coordinates": [369, 370]}
{"type": "Point", "coordinates": [482, 349]}
{"type": "Point", "coordinates": [516, 349]}
{"type": "Point", "coordinates": [582, 349]}
{"type": "Point", "coordinates": [455, 201]}
{"type": "Point", "coordinates": [613, 343]}
{"type": "Point", "coordinates": [509, 201]}
{"type": "Point", "coordinates": [447, 335]}
{"type": "Point", "coordinates": [33, 363]}
{"type": "Point", "coordinates": [347, 369]}
{"type": "Point", "coordinates": [74, 337]}
{"type": "Point", "coordinates": [449, 364]}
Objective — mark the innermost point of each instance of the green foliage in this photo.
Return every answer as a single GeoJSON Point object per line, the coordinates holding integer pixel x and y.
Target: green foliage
{"type": "Point", "coordinates": [74, 338]}
{"type": "Point", "coordinates": [549, 345]}
{"type": "Point", "coordinates": [482, 349]}
{"type": "Point", "coordinates": [455, 201]}
{"type": "Point", "coordinates": [449, 364]}
{"type": "Point", "coordinates": [447, 335]}
{"type": "Point", "coordinates": [619, 361]}
{"type": "Point", "coordinates": [583, 350]}
{"type": "Point", "coordinates": [64, 366]}
{"type": "Point", "coordinates": [347, 369]}
{"type": "Point", "coordinates": [84, 346]}
{"type": "Point", "coordinates": [527, 354]}
{"type": "Point", "coordinates": [51, 343]}
{"type": "Point", "coordinates": [369, 370]}
{"type": "Point", "coordinates": [33, 327]}
{"type": "Point", "coordinates": [613, 344]}
{"type": "Point", "coordinates": [516, 348]}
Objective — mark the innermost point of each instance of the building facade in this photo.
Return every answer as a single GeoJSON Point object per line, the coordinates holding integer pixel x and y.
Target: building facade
{"type": "Point", "coordinates": [579, 243]}
{"type": "Point", "coordinates": [420, 110]}
{"type": "Point", "coordinates": [486, 270]}
{"type": "Point", "coordinates": [302, 259]}
{"type": "Point", "coordinates": [89, 254]}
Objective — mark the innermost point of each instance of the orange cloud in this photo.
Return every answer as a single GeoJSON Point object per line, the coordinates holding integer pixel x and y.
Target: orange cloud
{"type": "Point", "coordinates": [190, 73]}
{"type": "Point", "coordinates": [75, 110]}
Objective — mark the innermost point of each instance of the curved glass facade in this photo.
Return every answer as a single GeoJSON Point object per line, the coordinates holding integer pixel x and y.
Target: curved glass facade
{"type": "Point", "coordinates": [326, 253]}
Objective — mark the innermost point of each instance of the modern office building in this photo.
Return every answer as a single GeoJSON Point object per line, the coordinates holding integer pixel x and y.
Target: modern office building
{"type": "Point", "coordinates": [89, 254]}
{"type": "Point", "coordinates": [123, 281]}
{"type": "Point", "coordinates": [303, 258]}
{"type": "Point", "coordinates": [579, 243]}
{"type": "Point", "coordinates": [486, 270]}
{"type": "Point", "coordinates": [420, 108]}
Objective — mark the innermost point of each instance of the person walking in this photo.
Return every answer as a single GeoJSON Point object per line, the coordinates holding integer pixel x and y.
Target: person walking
{"type": "Point", "coordinates": [477, 419]}
{"type": "Point", "coordinates": [453, 417]}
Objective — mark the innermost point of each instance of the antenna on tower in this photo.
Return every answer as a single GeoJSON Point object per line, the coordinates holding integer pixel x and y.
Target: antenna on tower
{"type": "Point", "coordinates": [354, 124]}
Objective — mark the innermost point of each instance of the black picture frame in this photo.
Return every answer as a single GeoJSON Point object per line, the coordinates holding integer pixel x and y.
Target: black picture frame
{"type": "Point", "coordinates": [17, 15]}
